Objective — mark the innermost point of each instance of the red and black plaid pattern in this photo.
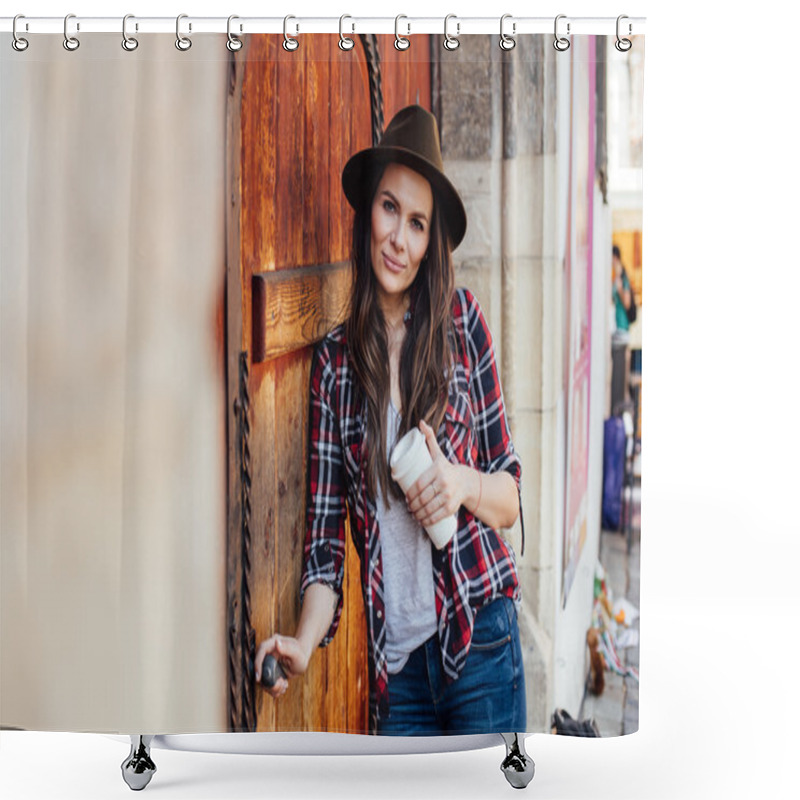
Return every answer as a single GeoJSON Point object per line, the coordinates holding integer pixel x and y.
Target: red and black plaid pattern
{"type": "Point", "coordinates": [478, 565]}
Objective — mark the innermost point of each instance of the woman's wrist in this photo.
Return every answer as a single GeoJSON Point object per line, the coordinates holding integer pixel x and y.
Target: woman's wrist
{"type": "Point", "coordinates": [306, 645]}
{"type": "Point", "coordinates": [473, 484]}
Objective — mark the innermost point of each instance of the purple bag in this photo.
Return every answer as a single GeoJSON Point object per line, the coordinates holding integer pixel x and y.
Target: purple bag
{"type": "Point", "coordinates": [613, 472]}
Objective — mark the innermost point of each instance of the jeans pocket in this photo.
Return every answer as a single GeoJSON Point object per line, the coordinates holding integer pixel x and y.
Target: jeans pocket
{"type": "Point", "coordinates": [492, 627]}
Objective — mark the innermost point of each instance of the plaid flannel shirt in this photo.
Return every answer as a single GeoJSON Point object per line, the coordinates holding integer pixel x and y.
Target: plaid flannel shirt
{"type": "Point", "coordinates": [477, 566]}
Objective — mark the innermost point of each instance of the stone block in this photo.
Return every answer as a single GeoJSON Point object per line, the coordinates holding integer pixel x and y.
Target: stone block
{"type": "Point", "coordinates": [529, 206]}
{"type": "Point", "coordinates": [549, 513]}
{"type": "Point", "coordinates": [538, 585]}
{"type": "Point", "coordinates": [466, 118]}
{"type": "Point", "coordinates": [530, 314]}
{"type": "Point", "coordinates": [529, 93]}
{"type": "Point", "coordinates": [550, 98]}
{"type": "Point", "coordinates": [537, 657]}
{"type": "Point", "coordinates": [480, 240]}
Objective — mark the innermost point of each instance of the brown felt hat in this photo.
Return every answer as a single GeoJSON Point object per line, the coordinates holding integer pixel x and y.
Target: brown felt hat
{"type": "Point", "coordinates": [411, 139]}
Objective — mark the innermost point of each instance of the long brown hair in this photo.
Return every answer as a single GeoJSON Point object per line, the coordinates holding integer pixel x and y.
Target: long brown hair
{"type": "Point", "coordinates": [425, 358]}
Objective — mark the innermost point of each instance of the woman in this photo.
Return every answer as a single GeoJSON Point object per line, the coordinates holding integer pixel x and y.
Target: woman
{"type": "Point", "coordinates": [444, 652]}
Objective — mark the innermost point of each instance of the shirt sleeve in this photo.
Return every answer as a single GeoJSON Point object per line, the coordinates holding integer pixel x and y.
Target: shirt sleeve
{"type": "Point", "coordinates": [495, 448]}
{"type": "Point", "coordinates": [326, 509]}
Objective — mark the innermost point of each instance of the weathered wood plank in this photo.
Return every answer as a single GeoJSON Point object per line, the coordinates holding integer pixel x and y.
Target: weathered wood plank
{"type": "Point", "coordinates": [406, 76]}
{"type": "Point", "coordinates": [294, 308]}
{"type": "Point", "coordinates": [291, 375]}
{"type": "Point", "coordinates": [339, 151]}
{"type": "Point", "coordinates": [317, 176]}
{"type": "Point", "coordinates": [264, 526]}
{"type": "Point", "coordinates": [290, 167]}
{"type": "Point", "coordinates": [259, 155]}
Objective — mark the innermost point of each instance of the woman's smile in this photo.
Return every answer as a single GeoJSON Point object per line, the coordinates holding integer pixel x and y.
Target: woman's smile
{"type": "Point", "coordinates": [393, 264]}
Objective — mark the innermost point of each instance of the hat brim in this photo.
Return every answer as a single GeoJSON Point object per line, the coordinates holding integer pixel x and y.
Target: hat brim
{"type": "Point", "coordinates": [356, 183]}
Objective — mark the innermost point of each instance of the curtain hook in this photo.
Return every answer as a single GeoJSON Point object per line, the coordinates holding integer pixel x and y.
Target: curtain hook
{"type": "Point", "coordinates": [71, 43]}
{"type": "Point", "coordinates": [507, 42]}
{"type": "Point", "coordinates": [129, 43]}
{"type": "Point", "coordinates": [623, 45]}
{"type": "Point", "coordinates": [345, 42]}
{"type": "Point", "coordinates": [560, 43]}
{"type": "Point", "coordinates": [234, 43]}
{"type": "Point", "coordinates": [451, 42]}
{"type": "Point", "coordinates": [17, 42]}
{"type": "Point", "coordinates": [289, 42]}
{"type": "Point", "coordinates": [401, 42]}
{"type": "Point", "coordinates": [183, 43]}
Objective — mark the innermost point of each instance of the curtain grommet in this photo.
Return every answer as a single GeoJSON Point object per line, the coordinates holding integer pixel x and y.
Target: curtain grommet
{"type": "Point", "coordinates": [129, 43]}
{"type": "Point", "coordinates": [623, 45]}
{"type": "Point", "coordinates": [290, 43]}
{"type": "Point", "coordinates": [507, 42]}
{"type": "Point", "coordinates": [17, 42]}
{"type": "Point", "coordinates": [71, 43]}
{"type": "Point", "coordinates": [234, 43]}
{"type": "Point", "coordinates": [451, 42]}
{"type": "Point", "coordinates": [401, 43]}
{"type": "Point", "coordinates": [561, 43]}
{"type": "Point", "coordinates": [345, 42]}
{"type": "Point", "coordinates": [183, 43]}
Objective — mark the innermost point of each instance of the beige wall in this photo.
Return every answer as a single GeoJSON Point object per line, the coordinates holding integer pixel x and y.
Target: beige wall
{"type": "Point", "coordinates": [112, 501]}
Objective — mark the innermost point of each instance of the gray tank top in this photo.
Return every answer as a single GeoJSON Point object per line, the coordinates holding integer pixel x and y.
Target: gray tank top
{"type": "Point", "coordinates": [407, 573]}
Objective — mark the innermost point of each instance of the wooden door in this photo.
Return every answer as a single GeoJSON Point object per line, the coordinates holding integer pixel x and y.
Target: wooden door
{"type": "Point", "coordinates": [294, 119]}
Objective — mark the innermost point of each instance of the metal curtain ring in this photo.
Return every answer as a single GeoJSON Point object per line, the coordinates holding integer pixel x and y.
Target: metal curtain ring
{"type": "Point", "coordinates": [183, 43]}
{"type": "Point", "coordinates": [71, 43]}
{"type": "Point", "coordinates": [560, 43]}
{"type": "Point", "coordinates": [17, 42]}
{"type": "Point", "coordinates": [507, 42]}
{"type": "Point", "coordinates": [345, 42]}
{"type": "Point", "coordinates": [400, 42]}
{"type": "Point", "coordinates": [234, 43]}
{"type": "Point", "coordinates": [451, 42]}
{"type": "Point", "coordinates": [129, 43]}
{"type": "Point", "coordinates": [289, 42]}
{"type": "Point", "coordinates": [623, 45]}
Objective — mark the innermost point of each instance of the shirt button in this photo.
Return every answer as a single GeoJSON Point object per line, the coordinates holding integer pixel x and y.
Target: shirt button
{"type": "Point", "coordinates": [380, 614]}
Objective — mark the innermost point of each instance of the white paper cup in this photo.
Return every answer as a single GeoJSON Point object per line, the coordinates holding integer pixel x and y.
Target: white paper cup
{"type": "Point", "coordinates": [409, 460]}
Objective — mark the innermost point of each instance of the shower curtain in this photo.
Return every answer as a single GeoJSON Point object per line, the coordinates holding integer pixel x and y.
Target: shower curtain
{"type": "Point", "coordinates": [174, 244]}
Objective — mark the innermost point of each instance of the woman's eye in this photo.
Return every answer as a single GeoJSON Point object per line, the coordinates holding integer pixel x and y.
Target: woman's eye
{"type": "Point", "coordinates": [388, 205]}
{"type": "Point", "coordinates": [418, 225]}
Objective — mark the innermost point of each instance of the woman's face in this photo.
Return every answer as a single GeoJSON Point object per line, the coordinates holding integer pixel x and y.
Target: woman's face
{"type": "Point", "coordinates": [401, 217]}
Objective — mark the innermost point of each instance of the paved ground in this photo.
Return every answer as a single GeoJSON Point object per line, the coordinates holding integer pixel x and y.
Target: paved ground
{"type": "Point", "coordinates": [616, 711]}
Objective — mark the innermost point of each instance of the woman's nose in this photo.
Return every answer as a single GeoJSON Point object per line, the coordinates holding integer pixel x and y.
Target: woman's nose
{"type": "Point", "coordinates": [397, 237]}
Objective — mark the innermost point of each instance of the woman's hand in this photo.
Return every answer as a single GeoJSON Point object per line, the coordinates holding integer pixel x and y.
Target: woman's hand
{"type": "Point", "coordinates": [441, 489]}
{"type": "Point", "coordinates": [289, 653]}
{"type": "Point", "coordinates": [444, 487]}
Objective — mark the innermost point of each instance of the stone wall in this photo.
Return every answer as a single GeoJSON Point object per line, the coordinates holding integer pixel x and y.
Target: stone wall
{"type": "Point", "coordinates": [498, 114]}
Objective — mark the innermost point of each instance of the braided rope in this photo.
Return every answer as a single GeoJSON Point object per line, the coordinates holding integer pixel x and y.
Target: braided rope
{"type": "Point", "coordinates": [233, 694]}
{"type": "Point", "coordinates": [247, 633]}
{"type": "Point", "coordinates": [370, 43]}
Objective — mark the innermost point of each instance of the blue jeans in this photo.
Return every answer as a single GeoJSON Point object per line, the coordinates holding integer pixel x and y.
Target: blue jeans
{"type": "Point", "coordinates": [488, 697]}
